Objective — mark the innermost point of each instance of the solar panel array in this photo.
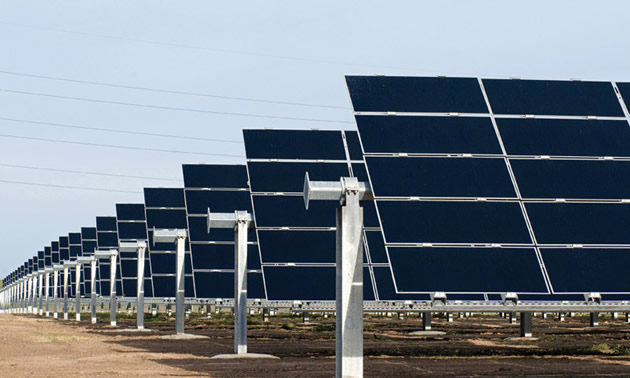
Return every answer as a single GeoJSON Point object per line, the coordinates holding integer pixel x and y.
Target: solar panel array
{"type": "Point", "coordinates": [222, 188]}
{"type": "Point", "coordinates": [481, 187]}
{"type": "Point", "coordinates": [132, 226]}
{"type": "Point", "coordinates": [166, 208]}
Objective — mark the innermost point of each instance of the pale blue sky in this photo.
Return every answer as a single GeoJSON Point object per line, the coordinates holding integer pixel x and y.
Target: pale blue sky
{"type": "Point", "coordinates": [273, 50]}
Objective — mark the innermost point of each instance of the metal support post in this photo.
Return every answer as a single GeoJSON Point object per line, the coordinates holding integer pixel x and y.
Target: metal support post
{"type": "Point", "coordinates": [40, 307]}
{"type": "Point", "coordinates": [29, 307]}
{"type": "Point", "coordinates": [47, 291]}
{"type": "Point", "coordinates": [594, 319]}
{"type": "Point", "coordinates": [177, 236]}
{"type": "Point", "coordinates": [426, 321]}
{"type": "Point", "coordinates": [349, 264]}
{"type": "Point", "coordinates": [55, 291]}
{"type": "Point", "coordinates": [93, 289]}
{"type": "Point", "coordinates": [77, 303]}
{"type": "Point", "coordinates": [449, 317]}
{"type": "Point", "coordinates": [627, 317]}
{"type": "Point", "coordinates": [66, 271]}
{"type": "Point", "coordinates": [512, 316]}
{"type": "Point", "coordinates": [561, 316]}
{"type": "Point", "coordinates": [526, 324]}
{"type": "Point", "coordinates": [112, 289]}
{"type": "Point", "coordinates": [266, 314]}
{"type": "Point", "coordinates": [141, 248]}
{"type": "Point", "coordinates": [180, 245]}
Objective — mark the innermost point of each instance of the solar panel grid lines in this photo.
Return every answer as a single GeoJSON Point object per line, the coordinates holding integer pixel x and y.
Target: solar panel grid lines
{"type": "Point", "coordinates": [567, 158]}
{"type": "Point", "coordinates": [88, 246]}
{"type": "Point", "coordinates": [76, 250]}
{"type": "Point", "coordinates": [131, 226]}
{"type": "Point", "coordinates": [222, 188]}
{"type": "Point", "coordinates": [107, 238]}
{"type": "Point", "coordinates": [298, 243]}
{"type": "Point", "coordinates": [166, 208]}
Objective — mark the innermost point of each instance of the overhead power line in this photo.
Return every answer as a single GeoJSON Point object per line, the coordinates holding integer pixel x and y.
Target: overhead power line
{"type": "Point", "coordinates": [116, 146]}
{"type": "Point", "coordinates": [160, 90]}
{"type": "Point", "coordinates": [86, 172]}
{"type": "Point", "coordinates": [69, 187]}
{"type": "Point", "coordinates": [120, 131]}
{"type": "Point", "coordinates": [171, 107]}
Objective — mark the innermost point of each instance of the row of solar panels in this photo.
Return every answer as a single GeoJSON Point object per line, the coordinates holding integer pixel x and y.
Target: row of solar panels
{"type": "Point", "coordinates": [481, 187]}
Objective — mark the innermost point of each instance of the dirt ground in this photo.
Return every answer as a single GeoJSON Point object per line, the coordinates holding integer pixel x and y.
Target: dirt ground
{"type": "Point", "coordinates": [479, 345]}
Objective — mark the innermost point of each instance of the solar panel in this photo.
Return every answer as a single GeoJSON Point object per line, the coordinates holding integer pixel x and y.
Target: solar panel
{"type": "Point", "coordinates": [524, 193]}
{"type": "Point", "coordinates": [88, 246]}
{"type": "Point", "coordinates": [75, 249]}
{"type": "Point", "coordinates": [132, 226]}
{"type": "Point", "coordinates": [166, 208]}
{"type": "Point", "coordinates": [107, 238]}
{"type": "Point", "coordinates": [297, 246]}
{"type": "Point", "coordinates": [222, 188]}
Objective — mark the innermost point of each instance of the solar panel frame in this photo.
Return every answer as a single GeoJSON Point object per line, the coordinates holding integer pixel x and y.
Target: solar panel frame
{"type": "Point", "coordinates": [161, 205]}
{"type": "Point", "coordinates": [222, 188]}
{"type": "Point", "coordinates": [618, 117]}
{"type": "Point", "coordinates": [131, 216]}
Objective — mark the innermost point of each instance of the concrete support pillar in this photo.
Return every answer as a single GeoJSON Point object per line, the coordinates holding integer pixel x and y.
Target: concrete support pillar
{"type": "Point", "coordinates": [426, 321]}
{"type": "Point", "coordinates": [180, 244]}
{"type": "Point", "coordinates": [93, 289]}
{"type": "Point", "coordinates": [594, 319]}
{"type": "Point", "coordinates": [526, 324]}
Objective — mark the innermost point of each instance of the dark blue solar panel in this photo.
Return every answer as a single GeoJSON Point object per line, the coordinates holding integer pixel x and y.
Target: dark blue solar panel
{"type": "Point", "coordinates": [107, 239]}
{"type": "Point", "coordinates": [215, 176]}
{"type": "Point", "coordinates": [580, 223]}
{"type": "Point", "coordinates": [164, 287]}
{"type": "Point", "coordinates": [387, 290]}
{"type": "Point", "coordinates": [198, 201]}
{"type": "Point", "coordinates": [624, 88]}
{"type": "Point", "coordinates": [88, 246]}
{"type": "Point", "coordinates": [565, 137]}
{"type": "Point", "coordinates": [376, 245]}
{"type": "Point", "coordinates": [106, 223]}
{"type": "Point", "coordinates": [289, 177]}
{"type": "Point", "coordinates": [289, 211]}
{"type": "Point", "coordinates": [306, 283]}
{"type": "Point", "coordinates": [75, 250]}
{"type": "Point", "coordinates": [164, 197]}
{"type": "Point", "coordinates": [461, 270]}
{"type": "Point", "coordinates": [453, 222]}
{"type": "Point", "coordinates": [573, 178]}
{"type": "Point", "coordinates": [293, 246]}
{"type": "Point", "coordinates": [454, 135]}
{"type": "Point", "coordinates": [587, 270]}
{"type": "Point", "coordinates": [127, 230]}
{"type": "Point", "coordinates": [88, 233]}
{"type": "Point", "coordinates": [130, 211]}
{"type": "Point", "coordinates": [63, 242]}
{"type": "Point", "coordinates": [440, 177]}
{"type": "Point", "coordinates": [416, 94]}
{"type": "Point", "coordinates": [166, 218]}
{"type": "Point", "coordinates": [221, 285]}
{"type": "Point", "coordinates": [294, 144]}
{"type": "Point", "coordinates": [354, 145]}
{"type": "Point", "coordinates": [74, 238]}
{"type": "Point", "coordinates": [547, 97]}
{"type": "Point", "coordinates": [221, 256]}
{"type": "Point", "coordinates": [129, 268]}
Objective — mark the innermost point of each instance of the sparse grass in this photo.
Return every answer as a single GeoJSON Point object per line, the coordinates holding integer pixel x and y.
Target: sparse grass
{"type": "Point", "coordinates": [324, 328]}
{"type": "Point", "coordinates": [288, 326]}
